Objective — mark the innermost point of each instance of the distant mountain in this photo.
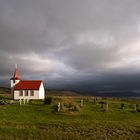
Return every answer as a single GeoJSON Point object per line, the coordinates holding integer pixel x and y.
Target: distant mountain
{"type": "Point", "coordinates": [61, 92]}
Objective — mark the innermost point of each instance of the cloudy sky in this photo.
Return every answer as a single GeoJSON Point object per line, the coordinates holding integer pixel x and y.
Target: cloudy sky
{"type": "Point", "coordinates": [77, 44]}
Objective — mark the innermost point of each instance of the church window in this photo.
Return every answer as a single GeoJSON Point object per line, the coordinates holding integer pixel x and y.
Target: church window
{"type": "Point", "coordinates": [32, 93]}
{"type": "Point", "coordinates": [26, 93]}
{"type": "Point", "coordinates": [21, 93]}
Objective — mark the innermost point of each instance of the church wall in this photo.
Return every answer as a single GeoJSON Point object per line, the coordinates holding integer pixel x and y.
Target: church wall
{"type": "Point", "coordinates": [41, 91]}
{"type": "Point", "coordinates": [17, 94]}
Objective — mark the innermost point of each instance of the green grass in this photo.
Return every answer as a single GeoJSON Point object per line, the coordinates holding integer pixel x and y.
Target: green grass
{"type": "Point", "coordinates": [38, 121]}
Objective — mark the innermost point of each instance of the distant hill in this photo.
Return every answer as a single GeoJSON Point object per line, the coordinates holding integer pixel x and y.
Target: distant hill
{"type": "Point", "coordinates": [61, 93]}
{"type": "Point", "coordinates": [5, 90]}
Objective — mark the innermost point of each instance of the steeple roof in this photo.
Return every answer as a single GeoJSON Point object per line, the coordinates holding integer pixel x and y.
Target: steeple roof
{"type": "Point", "coordinates": [15, 74]}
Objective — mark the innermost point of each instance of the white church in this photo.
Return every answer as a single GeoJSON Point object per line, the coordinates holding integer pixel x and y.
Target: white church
{"type": "Point", "coordinates": [26, 89]}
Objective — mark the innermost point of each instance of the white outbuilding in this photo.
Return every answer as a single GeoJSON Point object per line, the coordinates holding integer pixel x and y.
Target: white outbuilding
{"type": "Point", "coordinates": [26, 89]}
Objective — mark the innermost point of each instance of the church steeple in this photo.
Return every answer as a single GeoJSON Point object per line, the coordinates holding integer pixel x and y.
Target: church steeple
{"type": "Point", "coordinates": [15, 78]}
{"type": "Point", "coordinates": [15, 74]}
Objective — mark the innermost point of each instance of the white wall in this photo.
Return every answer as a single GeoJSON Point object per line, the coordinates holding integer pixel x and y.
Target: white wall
{"type": "Point", "coordinates": [41, 91]}
{"type": "Point", "coordinates": [13, 84]}
{"type": "Point", "coordinates": [17, 93]}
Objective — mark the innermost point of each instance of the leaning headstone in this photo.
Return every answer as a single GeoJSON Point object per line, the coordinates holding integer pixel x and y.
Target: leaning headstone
{"type": "Point", "coordinates": [81, 103]}
{"type": "Point", "coordinates": [135, 107]}
{"type": "Point", "coordinates": [59, 107]}
{"type": "Point", "coordinates": [106, 107]}
{"type": "Point", "coordinates": [94, 100]}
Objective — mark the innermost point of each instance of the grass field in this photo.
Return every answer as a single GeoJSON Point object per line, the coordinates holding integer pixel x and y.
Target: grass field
{"type": "Point", "coordinates": [39, 121]}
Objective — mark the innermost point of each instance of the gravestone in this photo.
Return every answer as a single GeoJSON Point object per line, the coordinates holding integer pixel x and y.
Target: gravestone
{"type": "Point", "coordinates": [59, 107]}
{"type": "Point", "coordinates": [81, 103]}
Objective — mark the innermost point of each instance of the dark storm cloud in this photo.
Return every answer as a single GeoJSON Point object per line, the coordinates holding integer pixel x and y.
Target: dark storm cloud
{"type": "Point", "coordinates": [91, 42]}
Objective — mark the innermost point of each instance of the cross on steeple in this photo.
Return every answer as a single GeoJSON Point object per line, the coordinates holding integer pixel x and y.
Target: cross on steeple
{"type": "Point", "coordinates": [15, 66]}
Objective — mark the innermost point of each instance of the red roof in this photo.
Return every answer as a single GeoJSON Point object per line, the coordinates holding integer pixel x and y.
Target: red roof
{"type": "Point", "coordinates": [28, 85]}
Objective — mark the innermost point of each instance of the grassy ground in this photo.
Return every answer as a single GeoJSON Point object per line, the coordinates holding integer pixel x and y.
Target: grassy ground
{"type": "Point", "coordinates": [38, 121]}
